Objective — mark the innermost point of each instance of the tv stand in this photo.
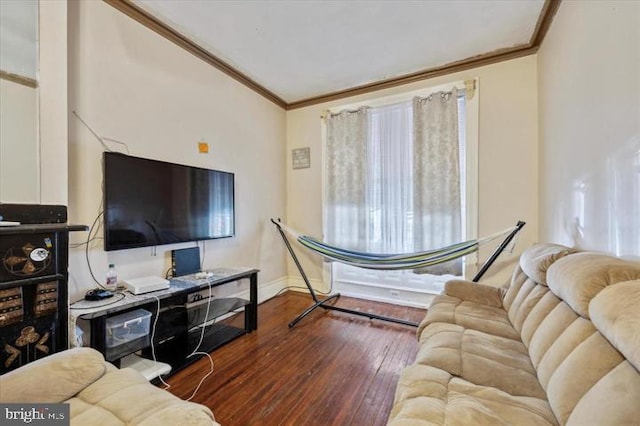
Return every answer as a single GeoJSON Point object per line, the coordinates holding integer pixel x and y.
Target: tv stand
{"type": "Point", "coordinates": [183, 308]}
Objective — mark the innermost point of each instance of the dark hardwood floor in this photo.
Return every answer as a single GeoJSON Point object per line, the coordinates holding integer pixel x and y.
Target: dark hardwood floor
{"type": "Point", "coordinates": [332, 368]}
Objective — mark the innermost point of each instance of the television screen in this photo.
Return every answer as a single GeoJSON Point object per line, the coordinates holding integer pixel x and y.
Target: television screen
{"type": "Point", "coordinates": [149, 202]}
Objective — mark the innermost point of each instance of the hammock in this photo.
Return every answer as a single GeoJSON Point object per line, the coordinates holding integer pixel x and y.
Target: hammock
{"type": "Point", "coordinates": [386, 262]}
{"type": "Point", "coordinates": [392, 262]}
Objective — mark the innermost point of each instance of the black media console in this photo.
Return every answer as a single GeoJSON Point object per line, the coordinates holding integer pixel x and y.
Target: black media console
{"type": "Point", "coordinates": [183, 309]}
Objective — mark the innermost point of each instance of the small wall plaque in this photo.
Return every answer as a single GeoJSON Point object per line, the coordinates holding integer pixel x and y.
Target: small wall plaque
{"type": "Point", "coordinates": [301, 158]}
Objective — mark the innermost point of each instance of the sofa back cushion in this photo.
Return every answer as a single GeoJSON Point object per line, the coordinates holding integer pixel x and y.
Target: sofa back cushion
{"type": "Point", "coordinates": [532, 270]}
{"type": "Point", "coordinates": [53, 379]}
{"type": "Point", "coordinates": [537, 259]}
{"type": "Point", "coordinates": [614, 398]}
{"type": "Point", "coordinates": [616, 314]}
{"type": "Point", "coordinates": [579, 362]}
{"type": "Point", "coordinates": [578, 281]}
{"type": "Point", "coordinates": [528, 291]}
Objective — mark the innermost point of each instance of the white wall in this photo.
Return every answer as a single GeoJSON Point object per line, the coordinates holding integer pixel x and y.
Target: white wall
{"type": "Point", "coordinates": [42, 131]}
{"type": "Point", "coordinates": [52, 83]}
{"type": "Point", "coordinates": [130, 84]}
{"type": "Point", "coordinates": [19, 38]}
{"type": "Point", "coordinates": [19, 171]}
{"type": "Point", "coordinates": [589, 103]}
{"type": "Point", "coordinates": [508, 162]}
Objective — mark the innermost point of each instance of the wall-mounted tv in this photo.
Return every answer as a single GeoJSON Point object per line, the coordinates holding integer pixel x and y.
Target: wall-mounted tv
{"type": "Point", "coordinates": [149, 202]}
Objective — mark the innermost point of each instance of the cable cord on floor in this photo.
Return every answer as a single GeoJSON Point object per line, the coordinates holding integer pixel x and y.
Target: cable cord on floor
{"type": "Point", "coordinates": [153, 346]}
{"type": "Point", "coordinates": [195, 351]}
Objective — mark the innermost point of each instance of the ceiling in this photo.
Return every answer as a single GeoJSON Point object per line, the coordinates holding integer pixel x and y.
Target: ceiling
{"type": "Point", "coordinates": [296, 51]}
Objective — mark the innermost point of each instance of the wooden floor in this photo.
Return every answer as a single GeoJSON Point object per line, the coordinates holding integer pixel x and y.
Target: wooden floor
{"type": "Point", "coordinates": [332, 368]}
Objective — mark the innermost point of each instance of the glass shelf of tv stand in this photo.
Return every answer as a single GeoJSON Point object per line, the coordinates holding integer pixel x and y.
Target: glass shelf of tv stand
{"type": "Point", "coordinates": [204, 333]}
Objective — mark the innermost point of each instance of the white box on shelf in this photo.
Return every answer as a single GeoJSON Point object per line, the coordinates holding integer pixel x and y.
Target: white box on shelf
{"type": "Point", "coordinates": [146, 284]}
{"type": "Point", "coordinates": [128, 327]}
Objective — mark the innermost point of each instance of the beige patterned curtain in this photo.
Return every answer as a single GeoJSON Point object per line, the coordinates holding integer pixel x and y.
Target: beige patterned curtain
{"type": "Point", "coordinates": [436, 164]}
{"type": "Point", "coordinates": [346, 174]}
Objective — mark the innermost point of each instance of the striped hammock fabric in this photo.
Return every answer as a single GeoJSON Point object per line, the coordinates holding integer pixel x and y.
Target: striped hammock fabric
{"type": "Point", "coordinates": [391, 262]}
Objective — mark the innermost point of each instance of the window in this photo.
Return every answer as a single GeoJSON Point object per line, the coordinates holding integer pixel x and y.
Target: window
{"type": "Point", "coordinates": [388, 205]}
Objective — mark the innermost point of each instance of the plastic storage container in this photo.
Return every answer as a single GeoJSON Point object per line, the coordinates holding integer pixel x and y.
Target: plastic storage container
{"type": "Point", "coordinates": [127, 333]}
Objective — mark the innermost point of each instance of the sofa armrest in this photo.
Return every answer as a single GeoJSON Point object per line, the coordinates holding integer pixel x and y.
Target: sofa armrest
{"type": "Point", "coordinates": [53, 379]}
{"type": "Point", "coordinates": [474, 292]}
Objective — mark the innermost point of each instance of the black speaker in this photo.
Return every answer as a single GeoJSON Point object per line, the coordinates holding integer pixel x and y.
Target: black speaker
{"type": "Point", "coordinates": [33, 213]}
{"type": "Point", "coordinates": [185, 261]}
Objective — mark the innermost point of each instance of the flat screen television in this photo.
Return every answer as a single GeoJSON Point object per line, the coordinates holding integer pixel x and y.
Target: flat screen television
{"type": "Point", "coordinates": [149, 202]}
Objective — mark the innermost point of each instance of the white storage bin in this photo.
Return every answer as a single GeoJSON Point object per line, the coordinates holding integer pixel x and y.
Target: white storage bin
{"type": "Point", "coordinates": [127, 327]}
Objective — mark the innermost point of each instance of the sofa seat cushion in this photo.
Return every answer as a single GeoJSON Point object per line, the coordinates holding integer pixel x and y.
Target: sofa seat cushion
{"type": "Point", "coordinates": [427, 395]}
{"type": "Point", "coordinates": [471, 315]}
{"type": "Point", "coordinates": [123, 397]}
{"type": "Point", "coordinates": [480, 358]}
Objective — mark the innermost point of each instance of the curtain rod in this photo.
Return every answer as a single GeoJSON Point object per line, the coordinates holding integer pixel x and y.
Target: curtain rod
{"type": "Point", "coordinates": [469, 90]}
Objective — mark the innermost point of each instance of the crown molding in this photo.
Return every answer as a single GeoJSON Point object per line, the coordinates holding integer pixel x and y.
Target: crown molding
{"type": "Point", "coordinates": [545, 19]}
{"type": "Point", "coordinates": [465, 64]}
{"type": "Point", "coordinates": [543, 24]}
{"type": "Point", "coordinates": [143, 17]}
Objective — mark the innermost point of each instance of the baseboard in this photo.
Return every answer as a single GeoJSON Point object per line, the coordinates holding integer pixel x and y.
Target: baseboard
{"type": "Point", "coordinates": [265, 290]}
{"type": "Point", "coordinates": [270, 289]}
{"type": "Point", "coordinates": [298, 284]}
{"type": "Point", "coordinates": [403, 297]}
{"type": "Point", "coordinates": [419, 300]}
{"type": "Point", "coordinates": [394, 301]}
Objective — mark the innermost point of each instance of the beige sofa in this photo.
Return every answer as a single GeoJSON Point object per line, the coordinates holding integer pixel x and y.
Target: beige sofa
{"type": "Point", "coordinates": [98, 392]}
{"type": "Point", "coordinates": [561, 346]}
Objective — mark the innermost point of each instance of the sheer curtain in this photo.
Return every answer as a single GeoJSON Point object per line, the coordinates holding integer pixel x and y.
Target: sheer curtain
{"type": "Point", "coordinates": [389, 179]}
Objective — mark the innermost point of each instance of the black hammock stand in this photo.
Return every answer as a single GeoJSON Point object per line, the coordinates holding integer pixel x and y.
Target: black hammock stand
{"type": "Point", "coordinates": [418, 259]}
